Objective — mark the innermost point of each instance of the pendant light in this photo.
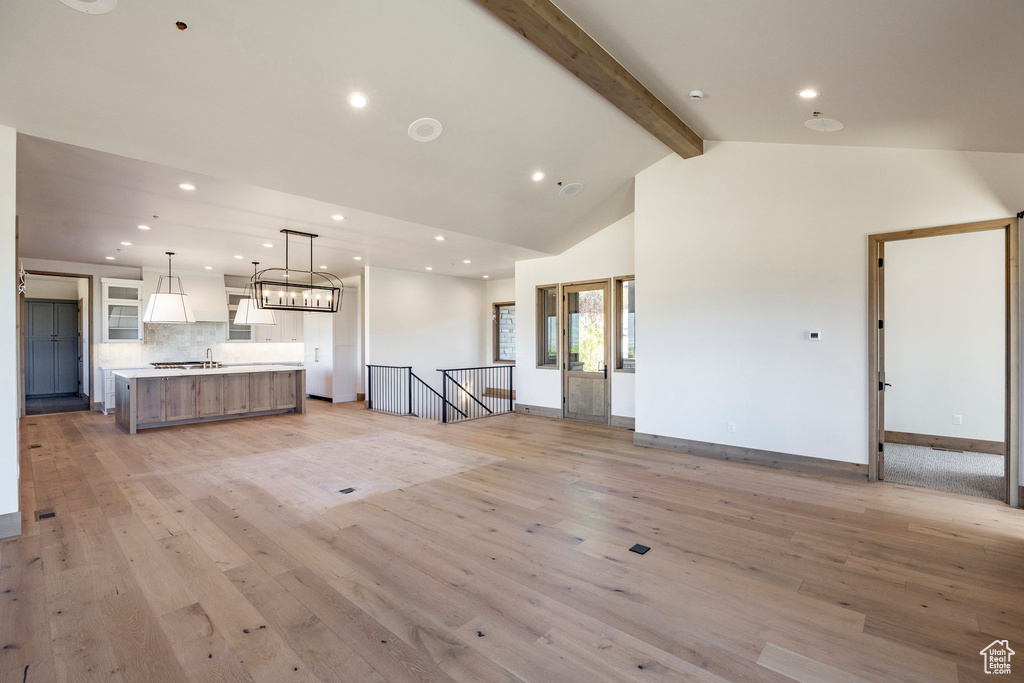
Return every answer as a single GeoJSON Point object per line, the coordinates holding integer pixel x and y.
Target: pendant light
{"type": "Point", "coordinates": [169, 306]}
{"type": "Point", "coordinates": [285, 289]}
{"type": "Point", "coordinates": [248, 312]}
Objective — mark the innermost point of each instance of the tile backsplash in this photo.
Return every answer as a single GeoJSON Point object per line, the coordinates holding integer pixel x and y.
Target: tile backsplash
{"type": "Point", "coordinates": [189, 342]}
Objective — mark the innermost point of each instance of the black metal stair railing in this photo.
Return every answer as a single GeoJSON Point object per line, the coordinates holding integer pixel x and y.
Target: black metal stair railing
{"type": "Point", "coordinates": [396, 389]}
{"type": "Point", "coordinates": [388, 388]}
{"type": "Point", "coordinates": [427, 403]}
{"type": "Point", "coordinates": [477, 392]}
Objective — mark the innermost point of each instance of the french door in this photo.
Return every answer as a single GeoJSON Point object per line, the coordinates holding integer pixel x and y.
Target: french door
{"type": "Point", "coordinates": [586, 314]}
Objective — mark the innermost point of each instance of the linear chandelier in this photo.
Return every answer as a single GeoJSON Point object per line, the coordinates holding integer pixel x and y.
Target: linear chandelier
{"type": "Point", "coordinates": [248, 312]}
{"type": "Point", "coordinates": [287, 289]}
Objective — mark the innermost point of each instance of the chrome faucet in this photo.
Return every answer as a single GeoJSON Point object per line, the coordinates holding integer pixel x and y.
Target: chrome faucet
{"type": "Point", "coordinates": [208, 363]}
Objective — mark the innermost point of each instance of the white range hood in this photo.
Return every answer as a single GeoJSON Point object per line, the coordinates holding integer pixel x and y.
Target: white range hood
{"type": "Point", "coordinates": [205, 292]}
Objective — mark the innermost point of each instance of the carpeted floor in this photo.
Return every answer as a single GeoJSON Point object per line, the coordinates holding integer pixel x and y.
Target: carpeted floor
{"type": "Point", "coordinates": [58, 404]}
{"type": "Point", "coordinates": [971, 474]}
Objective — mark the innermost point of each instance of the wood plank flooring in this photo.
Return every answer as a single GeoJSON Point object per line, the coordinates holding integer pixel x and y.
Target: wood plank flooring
{"type": "Point", "coordinates": [494, 550]}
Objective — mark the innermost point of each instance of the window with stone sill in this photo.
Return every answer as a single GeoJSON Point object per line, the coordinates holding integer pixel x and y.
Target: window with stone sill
{"type": "Point", "coordinates": [504, 332]}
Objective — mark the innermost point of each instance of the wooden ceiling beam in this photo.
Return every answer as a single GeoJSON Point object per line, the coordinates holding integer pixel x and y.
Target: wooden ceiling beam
{"type": "Point", "coordinates": [547, 27]}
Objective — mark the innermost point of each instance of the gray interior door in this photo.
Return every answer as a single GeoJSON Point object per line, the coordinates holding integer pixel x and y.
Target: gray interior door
{"type": "Point", "coordinates": [51, 348]}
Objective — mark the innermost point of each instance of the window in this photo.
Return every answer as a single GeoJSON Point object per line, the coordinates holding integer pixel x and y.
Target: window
{"type": "Point", "coordinates": [505, 332]}
{"type": "Point", "coordinates": [625, 296]}
{"type": "Point", "coordinates": [547, 326]}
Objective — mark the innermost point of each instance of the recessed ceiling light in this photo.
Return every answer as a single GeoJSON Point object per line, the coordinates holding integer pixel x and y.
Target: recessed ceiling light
{"type": "Point", "coordinates": [467, 261]}
{"type": "Point", "coordinates": [570, 190]}
{"type": "Point", "coordinates": [187, 186]}
{"type": "Point", "coordinates": [539, 175]}
{"type": "Point", "coordinates": [110, 258]}
{"type": "Point", "coordinates": [824, 125]}
{"type": "Point", "coordinates": [357, 100]}
{"type": "Point", "coordinates": [486, 276]}
{"type": "Point", "coordinates": [208, 267]}
{"type": "Point", "coordinates": [268, 245]}
{"type": "Point", "coordinates": [126, 244]}
{"type": "Point", "coordinates": [91, 6]}
{"type": "Point", "coordinates": [425, 130]}
{"type": "Point", "coordinates": [429, 268]}
{"type": "Point", "coordinates": [809, 94]}
{"type": "Point", "coordinates": [238, 256]}
{"type": "Point", "coordinates": [323, 267]}
{"type": "Point", "coordinates": [143, 227]}
{"type": "Point", "coordinates": [358, 258]}
{"type": "Point", "coordinates": [439, 238]}
{"type": "Point", "coordinates": [338, 217]}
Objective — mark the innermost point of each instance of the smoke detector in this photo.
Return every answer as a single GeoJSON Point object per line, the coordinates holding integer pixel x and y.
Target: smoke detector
{"type": "Point", "coordinates": [91, 6]}
{"type": "Point", "coordinates": [823, 125]}
{"type": "Point", "coordinates": [696, 95]}
{"type": "Point", "coordinates": [425, 130]}
{"type": "Point", "coordinates": [570, 190]}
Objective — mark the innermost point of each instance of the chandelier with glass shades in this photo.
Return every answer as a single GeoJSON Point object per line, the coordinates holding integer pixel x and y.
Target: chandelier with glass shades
{"type": "Point", "coordinates": [289, 289]}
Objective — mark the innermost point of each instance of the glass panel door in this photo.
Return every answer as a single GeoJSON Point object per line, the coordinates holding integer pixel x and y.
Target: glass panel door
{"type": "Point", "coordinates": [585, 374]}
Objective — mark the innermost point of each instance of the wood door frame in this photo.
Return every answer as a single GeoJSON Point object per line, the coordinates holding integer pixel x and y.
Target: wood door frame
{"type": "Point", "coordinates": [21, 340]}
{"type": "Point", "coordinates": [876, 349]}
{"type": "Point", "coordinates": [564, 290]}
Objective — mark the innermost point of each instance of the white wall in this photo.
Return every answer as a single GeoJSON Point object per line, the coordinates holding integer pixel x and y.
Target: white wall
{"type": "Point", "coordinates": [426, 321]}
{"type": "Point", "coordinates": [44, 287]}
{"type": "Point", "coordinates": [496, 291]}
{"type": "Point", "coordinates": [743, 250]}
{"type": "Point", "coordinates": [9, 402]}
{"type": "Point", "coordinates": [607, 254]}
{"type": "Point", "coordinates": [945, 333]}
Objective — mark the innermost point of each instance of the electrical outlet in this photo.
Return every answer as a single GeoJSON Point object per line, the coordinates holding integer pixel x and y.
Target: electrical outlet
{"type": "Point", "coordinates": [958, 419]}
{"type": "Point", "coordinates": [731, 426]}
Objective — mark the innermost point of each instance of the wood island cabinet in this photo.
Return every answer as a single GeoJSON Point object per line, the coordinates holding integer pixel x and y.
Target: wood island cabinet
{"type": "Point", "coordinates": [201, 395]}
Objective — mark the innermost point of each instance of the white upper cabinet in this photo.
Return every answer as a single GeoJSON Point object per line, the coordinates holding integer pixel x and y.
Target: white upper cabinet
{"type": "Point", "coordinates": [122, 310]}
{"type": "Point", "coordinates": [288, 328]}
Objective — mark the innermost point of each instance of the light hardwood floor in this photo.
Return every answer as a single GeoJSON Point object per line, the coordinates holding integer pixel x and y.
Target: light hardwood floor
{"type": "Point", "coordinates": [494, 550]}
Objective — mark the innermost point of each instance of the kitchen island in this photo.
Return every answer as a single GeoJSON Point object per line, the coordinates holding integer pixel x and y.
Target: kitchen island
{"type": "Point", "coordinates": [159, 398]}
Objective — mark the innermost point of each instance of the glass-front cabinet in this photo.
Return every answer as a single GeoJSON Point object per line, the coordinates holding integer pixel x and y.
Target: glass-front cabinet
{"type": "Point", "coordinates": [237, 333]}
{"type": "Point", "coordinates": [122, 310]}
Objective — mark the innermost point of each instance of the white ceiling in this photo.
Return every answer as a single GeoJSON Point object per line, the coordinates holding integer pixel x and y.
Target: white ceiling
{"type": "Point", "coordinates": [934, 74]}
{"type": "Point", "coordinates": [76, 204]}
{"type": "Point", "coordinates": [254, 93]}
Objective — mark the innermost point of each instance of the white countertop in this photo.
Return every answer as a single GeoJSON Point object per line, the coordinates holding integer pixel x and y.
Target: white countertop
{"type": "Point", "coordinates": [233, 370]}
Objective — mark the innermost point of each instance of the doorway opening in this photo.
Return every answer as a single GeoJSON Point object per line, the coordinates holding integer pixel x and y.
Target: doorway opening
{"type": "Point", "coordinates": [586, 390]}
{"type": "Point", "coordinates": [55, 343]}
{"type": "Point", "coordinates": [943, 358]}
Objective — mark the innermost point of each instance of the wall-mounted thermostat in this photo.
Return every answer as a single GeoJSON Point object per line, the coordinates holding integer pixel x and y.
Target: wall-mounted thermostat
{"type": "Point", "coordinates": [814, 336]}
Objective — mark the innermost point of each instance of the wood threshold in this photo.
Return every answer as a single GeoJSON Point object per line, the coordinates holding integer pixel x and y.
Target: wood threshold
{"type": "Point", "coordinates": [948, 442]}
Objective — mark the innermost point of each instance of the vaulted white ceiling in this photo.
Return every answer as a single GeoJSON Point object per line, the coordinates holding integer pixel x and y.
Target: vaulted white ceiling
{"type": "Point", "coordinates": [934, 74]}
{"type": "Point", "coordinates": [254, 94]}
